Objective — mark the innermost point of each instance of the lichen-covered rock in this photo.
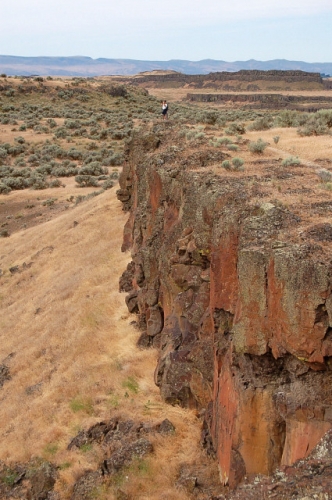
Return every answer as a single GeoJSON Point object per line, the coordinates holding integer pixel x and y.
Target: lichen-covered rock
{"type": "Point", "coordinates": [126, 454]}
{"type": "Point", "coordinates": [86, 487]}
{"type": "Point", "coordinates": [34, 480]}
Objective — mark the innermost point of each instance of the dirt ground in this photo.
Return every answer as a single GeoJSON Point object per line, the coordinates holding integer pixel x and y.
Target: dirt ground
{"type": "Point", "coordinates": [20, 210]}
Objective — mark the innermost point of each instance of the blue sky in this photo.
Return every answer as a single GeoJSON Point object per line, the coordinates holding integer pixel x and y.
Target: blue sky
{"type": "Point", "coordinates": [174, 29]}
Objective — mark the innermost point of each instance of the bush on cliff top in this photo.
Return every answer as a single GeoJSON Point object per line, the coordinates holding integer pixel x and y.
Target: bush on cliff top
{"type": "Point", "coordinates": [257, 147]}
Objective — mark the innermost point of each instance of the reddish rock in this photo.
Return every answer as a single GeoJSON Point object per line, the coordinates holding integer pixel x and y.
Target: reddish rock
{"type": "Point", "coordinates": [241, 314]}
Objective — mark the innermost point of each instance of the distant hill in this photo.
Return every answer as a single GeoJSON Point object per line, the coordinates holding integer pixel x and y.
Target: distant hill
{"type": "Point", "coordinates": [86, 66]}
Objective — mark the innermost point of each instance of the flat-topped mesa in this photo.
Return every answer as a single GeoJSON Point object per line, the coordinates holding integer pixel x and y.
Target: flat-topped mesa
{"type": "Point", "coordinates": [266, 100]}
{"type": "Point", "coordinates": [240, 311]}
{"type": "Point", "coordinates": [290, 76]}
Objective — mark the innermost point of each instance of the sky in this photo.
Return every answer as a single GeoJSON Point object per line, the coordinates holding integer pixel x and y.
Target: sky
{"type": "Point", "coordinates": [232, 30]}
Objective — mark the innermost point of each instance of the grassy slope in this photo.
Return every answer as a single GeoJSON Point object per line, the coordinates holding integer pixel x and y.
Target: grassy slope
{"type": "Point", "coordinates": [74, 355]}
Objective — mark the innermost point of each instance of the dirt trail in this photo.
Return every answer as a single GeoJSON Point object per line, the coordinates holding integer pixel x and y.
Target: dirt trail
{"type": "Point", "coordinates": [285, 154]}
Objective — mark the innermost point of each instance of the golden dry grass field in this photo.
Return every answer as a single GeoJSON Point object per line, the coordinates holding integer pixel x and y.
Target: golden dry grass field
{"type": "Point", "coordinates": [68, 341]}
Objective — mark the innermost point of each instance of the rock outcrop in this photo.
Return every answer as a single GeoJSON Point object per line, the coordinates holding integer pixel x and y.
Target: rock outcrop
{"type": "Point", "coordinates": [306, 479]}
{"type": "Point", "coordinates": [269, 101]}
{"type": "Point", "coordinates": [237, 302]}
{"type": "Point", "coordinates": [219, 77]}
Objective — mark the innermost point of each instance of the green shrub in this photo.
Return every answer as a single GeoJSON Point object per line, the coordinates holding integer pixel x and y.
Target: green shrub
{"type": "Point", "coordinates": [20, 139]}
{"type": "Point", "coordinates": [324, 175]}
{"type": "Point", "coordinates": [93, 168]}
{"type": "Point", "coordinates": [190, 134]}
{"type": "Point", "coordinates": [232, 147]}
{"type": "Point", "coordinates": [22, 172]}
{"type": "Point", "coordinates": [51, 123]}
{"type": "Point", "coordinates": [114, 175]}
{"type": "Point", "coordinates": [3, 155]}
{"type": "Point", "coordinates": [6, 171]}
{"type": "Point", "coordinates": [19, 162]}
{"type": "Point", "coordinates": [262, 123]}
{"type": "Point", "coordinates": [224, 141]}
{"type": "Point", "coordinates": [235, 128]}
{"type": "Point", "coordinates": [49, 202]}
{"type": "Point", "coordinates": [72, 124]}
{"type": "Point", "coordinates": [116, 159]}
{"type": "Point", "coordinates": [117, 91]}
{"type": "Point", "coordinates": [41, 129]}
{"type": "Point", "coordinates": [4, 189]}
{"type": "Point", "coordinates": [257, 147]}
{"type": "Point", "coordinates": [38, 181]}
{"type": "Point", "coordinates": [108, 184]}
{"type": "Point", "coordinates": [287, 118]}
{"type": "Point", "coordinates": [16, 150]}
{"type": "Point", "coordinates": [44, 169]}
{"type": "Point", "coordinates": [226, 164]}
{"type": "Point", "coordinates": [237, 163]}
{"type": "Point", "coordinates": [61, 171]}
{"type": "Point", "coordinates": [81, 197]}
{"type": "Point", "coordinates": [55, 184]}
{"type": "Point", "coordinates": [86, 181]}
{"type": "Point", "coordinates": [33, 159]}
{"type": "Point", "coordinates": [209, 117]}
{"type": "Point", "coordinates": [290, 161]}
{"type": "Point", "coordinates": [61, 133]}
{"type": "Point", "coordinates": [319, 123]}
{"type": "Point", "coordinates": [276, 139]}
{"type": "Point", "coordinates": [90, 157]}
{"type": "Point", "coordinates": [313, 127]}
{"type": "Point", "coordinates": [15, 183]}
{"type": "Point", "coordinates": [74, 154]}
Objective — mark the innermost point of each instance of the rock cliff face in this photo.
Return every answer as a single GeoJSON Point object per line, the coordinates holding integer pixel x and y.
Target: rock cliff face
{"type": "Point", "coordinates": [272, 101]}
{"type": "Point", "coordinates": [224, 76]}
{"type": "Point", "coordinates": [240, 311]}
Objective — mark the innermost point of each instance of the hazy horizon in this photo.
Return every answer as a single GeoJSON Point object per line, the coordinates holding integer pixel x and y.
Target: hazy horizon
{"type": "Point", "coordinates": [163, 60]}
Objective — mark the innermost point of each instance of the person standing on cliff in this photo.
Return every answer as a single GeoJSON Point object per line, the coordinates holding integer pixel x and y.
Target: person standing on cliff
{"type": "Point", "coordinates": [164, 110]}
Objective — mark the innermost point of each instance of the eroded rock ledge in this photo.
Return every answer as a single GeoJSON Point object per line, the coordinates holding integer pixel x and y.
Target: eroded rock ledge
{"type": "Point", "coordinates": [237, 302]}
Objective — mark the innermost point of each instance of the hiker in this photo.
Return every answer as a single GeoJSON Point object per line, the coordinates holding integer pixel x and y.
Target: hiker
{"type": "Point", "coordinates": [164, 110]}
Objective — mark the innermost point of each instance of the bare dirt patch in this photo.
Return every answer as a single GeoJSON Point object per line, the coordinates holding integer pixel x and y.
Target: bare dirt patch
{"type": "Point", "coordinates": [23, 209]}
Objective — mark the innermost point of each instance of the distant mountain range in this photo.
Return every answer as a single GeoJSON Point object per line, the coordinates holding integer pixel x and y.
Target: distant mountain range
{"type": "Point", "coordinates": [86, 66]}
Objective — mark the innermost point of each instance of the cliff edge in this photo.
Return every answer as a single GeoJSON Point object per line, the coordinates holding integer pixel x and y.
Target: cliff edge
{"type": "Point", "coordinates": [236, 296]}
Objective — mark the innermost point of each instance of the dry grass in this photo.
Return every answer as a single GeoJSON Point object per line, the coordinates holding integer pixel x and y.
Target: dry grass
{"type": "Point", "coordinates": [67, 339]}
{"type": "Point", "coordinates": [290, 143]}
{"type": "Point", "coordinates": [298, 188]}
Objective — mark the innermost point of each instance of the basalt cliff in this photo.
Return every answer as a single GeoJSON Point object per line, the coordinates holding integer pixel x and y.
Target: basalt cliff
{"type": "Point", "coordinates": [236, 296]}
